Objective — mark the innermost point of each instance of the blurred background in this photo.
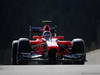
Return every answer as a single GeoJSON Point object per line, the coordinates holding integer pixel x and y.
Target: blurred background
{"type": "Point", "coordinates": [74, 18]}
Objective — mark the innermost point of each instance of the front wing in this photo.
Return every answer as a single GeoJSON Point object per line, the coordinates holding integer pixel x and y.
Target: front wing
{"type": "Point", "coordinates": [70, 59]}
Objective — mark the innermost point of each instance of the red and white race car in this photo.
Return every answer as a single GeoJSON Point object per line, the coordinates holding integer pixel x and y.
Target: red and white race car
{"type": "Point", "coordinates": [45, 47]}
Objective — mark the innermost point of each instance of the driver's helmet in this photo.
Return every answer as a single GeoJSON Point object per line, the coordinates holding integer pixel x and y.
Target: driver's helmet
{"type": "Point", "coordinates": [47, 35]}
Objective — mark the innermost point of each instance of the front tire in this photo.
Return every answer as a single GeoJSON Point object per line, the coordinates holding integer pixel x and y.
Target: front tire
{"type": "Point", "coordinates": [14, 52]}
{"type": "Point", "coordinates": [23, 47]}
{"type": "Point", "coordinates": [79, 48]}
{"type": "Point", "coordinates": [52, 56]}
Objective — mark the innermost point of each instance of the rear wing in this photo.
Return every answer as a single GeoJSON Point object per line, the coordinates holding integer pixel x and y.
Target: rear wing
{"type": "Point", "coordinates": [39, 30]}
{"type": "Point", "coordinates": [36, 29]}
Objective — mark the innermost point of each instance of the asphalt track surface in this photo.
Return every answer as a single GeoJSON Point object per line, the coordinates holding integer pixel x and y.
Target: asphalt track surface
{"type": "Point", "coordinates": [91, 67]}
{"type": "Point", "coordinates": [93, 57]}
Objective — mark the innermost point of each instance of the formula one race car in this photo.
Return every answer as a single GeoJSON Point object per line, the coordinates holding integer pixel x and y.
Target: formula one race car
{"type": "Point", "coordinates": [45, 47]}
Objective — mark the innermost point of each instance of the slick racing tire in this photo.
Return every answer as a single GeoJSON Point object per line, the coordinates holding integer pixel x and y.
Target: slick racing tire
{"type": "Point", "coordinates": [24, 45]}
{"type": "Point", "coordinates": [14, 52]}
{"type": "Point", "coordinates": [52, 56]}
{"type": "Point", "coordinates": [79, 48]}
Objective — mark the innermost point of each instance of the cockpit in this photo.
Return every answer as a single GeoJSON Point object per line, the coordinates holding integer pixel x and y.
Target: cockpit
{"type": "Point", "coordinates": [47, 35]}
